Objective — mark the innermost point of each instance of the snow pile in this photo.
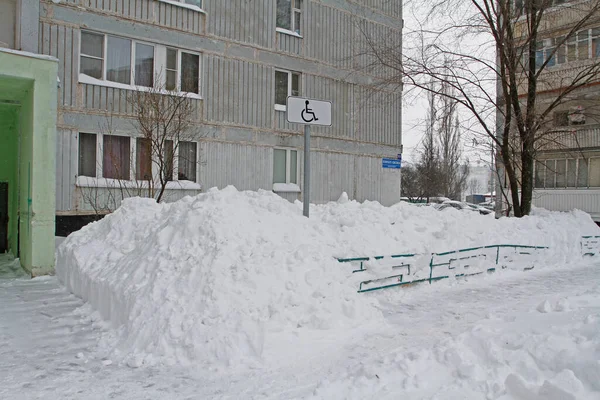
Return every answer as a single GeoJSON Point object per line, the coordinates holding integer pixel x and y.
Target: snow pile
{"type": "Point", "coordinates": [10, 267]}
{"type": "Point", "coordinates": [550, 353]}
{"type": "Point", "coordinates": [220, 277]}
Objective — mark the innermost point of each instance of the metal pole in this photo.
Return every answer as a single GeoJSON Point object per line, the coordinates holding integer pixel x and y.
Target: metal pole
{"type": "Point", "coordinates": [306, 194]}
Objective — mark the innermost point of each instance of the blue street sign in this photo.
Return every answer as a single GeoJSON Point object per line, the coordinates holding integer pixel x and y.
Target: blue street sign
{"type": "Point", "coordinates": [391, 163]}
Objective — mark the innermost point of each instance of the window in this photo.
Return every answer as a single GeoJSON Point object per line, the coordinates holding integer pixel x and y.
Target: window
{"type": "Point", "coordinates": [583, 44]}
{"type": "Point", "coordinates": [143, 164]}
{"type": "Point", "coordinates": [87, 154]}
{"type": "Point", "coordinates": [571, 173]}
{"type": "Point", "coordinates": [580, 46]}
{"type": "Point", "coordinates": [561, 171]}
{"type": "Point", "coordinates": [182, 71]}
{"type": "Point", "coordinates": [190, 69]}
{"type": "Point", "coordinates": [111, 58]}
{"type": "Point", "coordinates": [582, 172]}
{"type": "Point", "coordinates": [567, 173]}
{"type": "Point", "coordinates": [115, 160]}
{"type": "Point", "coordinates": [285, 166]}
{"type": "Point", "coordinates": [286, 84]}
{"type": "Point", "coordinates": [92, 54]}
{"type": "Point", "coordinates": [289, 15]}
{"type": "Point", "coordinates": [539, 175]}
{"type": "Point", "coordinates": [197, 3]}
{"type": "Point", "coordinates": [596, 42]}
{"type": "Point", "coordinates": [144, 65]}
{"type": "Point", "coordinates": [118, 60]}
{"type": "Point", "coordinates": [187, 161]}
{"type": "Point", "coordinates": [550, 174]}
{"type": "Point", "coordinates": [132, 63]}
{"type": "Point", "coordinates": [594, 172]}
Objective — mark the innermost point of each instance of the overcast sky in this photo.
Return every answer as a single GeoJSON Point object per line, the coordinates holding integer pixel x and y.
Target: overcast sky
{"type": "Point", "coordinates": [415, 106]}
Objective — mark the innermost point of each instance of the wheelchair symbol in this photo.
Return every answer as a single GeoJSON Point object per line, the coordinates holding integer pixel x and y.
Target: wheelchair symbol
{"type": "Point", "coordinates": [308, 111]}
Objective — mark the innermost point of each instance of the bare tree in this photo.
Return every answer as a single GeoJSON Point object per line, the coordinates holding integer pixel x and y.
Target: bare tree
{"type": "Point", "coordinates": [163, 119]}
{"type": "Point", "coordinates": [509, 98]}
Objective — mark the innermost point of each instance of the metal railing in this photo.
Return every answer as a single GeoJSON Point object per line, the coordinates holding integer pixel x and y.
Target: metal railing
{"type": "Point", "coordinates": [458, 263]}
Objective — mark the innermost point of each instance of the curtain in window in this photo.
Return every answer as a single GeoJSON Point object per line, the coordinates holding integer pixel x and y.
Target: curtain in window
{"type": "Point", "coordinates": [116, 161]}
{"type": "Point", "coordinates": [87, 154]}
{"type": "Point", "coordinates": [187, 161]}
{"type": "Point", "coordinates": [279, 166]}
{"type": "Point", "coordinates": [284, 14]}
{"type": "Point", "coordinates": [118, 60]}
{"type": "Point", "coordinates": [281, 87]}
{"type": "Point", "coordinates": [144, 65]}
{"type": "Point", "coordinates": [190, 70]}
{"type": "Point", "coordinates": [143, 159]}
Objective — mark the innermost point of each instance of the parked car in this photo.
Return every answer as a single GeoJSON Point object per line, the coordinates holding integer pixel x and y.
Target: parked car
{"type": "Point", "coordinates": [459, 205]}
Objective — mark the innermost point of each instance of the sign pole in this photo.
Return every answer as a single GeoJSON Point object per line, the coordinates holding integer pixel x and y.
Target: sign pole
{"type": "Point", "coordinates": [306, 194]}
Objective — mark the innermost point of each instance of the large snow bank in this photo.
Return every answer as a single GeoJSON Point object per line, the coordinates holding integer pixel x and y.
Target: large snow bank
{"type": "Point", "coordinates": [218, 277]}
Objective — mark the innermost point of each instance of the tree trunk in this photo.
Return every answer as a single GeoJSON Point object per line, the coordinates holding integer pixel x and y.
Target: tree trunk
{"type": "Point", "coordinates": [527, 160]}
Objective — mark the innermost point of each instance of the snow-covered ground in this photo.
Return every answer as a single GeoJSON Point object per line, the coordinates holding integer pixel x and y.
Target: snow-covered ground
{"type": "Point", "coordinates": [522, 336]}
{"type": "Point", "coordinates": [236, 295]}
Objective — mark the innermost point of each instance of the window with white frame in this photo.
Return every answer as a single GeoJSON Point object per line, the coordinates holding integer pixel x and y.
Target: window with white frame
{"type": "Point", "coordinates": [187, 161]}
{"type": "Point", "coordinates": [87, 155]}
{"type": "Point", "coordinates": [286, 84]}
{"type": "Point", "coordinates": [134, 63]}
{"type": "Point", "coordinates": [567, 173]}
{"type": "Point", "coordinates": [580, 46]}
{"type": "Point", "coordinates": [115, 161]}
{"type": "Point", "coordinates": [289, 15]}
{"type": "Point", "coordinates": [285, 166]}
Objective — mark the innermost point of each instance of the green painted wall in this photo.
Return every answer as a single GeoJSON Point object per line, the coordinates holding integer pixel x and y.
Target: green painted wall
{"type": "Point", "coordinates": [9, 147]}
{"type": "Point", "coordinates": [31, 80]}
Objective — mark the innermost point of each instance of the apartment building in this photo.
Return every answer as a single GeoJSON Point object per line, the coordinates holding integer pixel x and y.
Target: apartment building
{"type": "Point", "coordinates": [567, 169]}
{"type": "Point", "coordinates": [238, 61]}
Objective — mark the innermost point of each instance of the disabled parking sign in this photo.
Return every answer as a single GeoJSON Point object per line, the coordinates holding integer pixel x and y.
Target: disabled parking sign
{"type": "Point", "coordinates": [308, 111]}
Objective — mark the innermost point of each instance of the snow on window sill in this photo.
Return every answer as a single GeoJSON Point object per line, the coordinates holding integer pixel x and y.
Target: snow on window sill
{"type": "Point", "coordinates": [288, 32]}
{"type": "Point", "coordinates": [286, 187]}
{"type": "Point", "coordinates": [91, 182]}
{"type": "Point", "coordinates": [183, 5]}
{"type": "Point", "coordinates": [280, 107]}
{"type": "Point", "coordinates": [83, 78]}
